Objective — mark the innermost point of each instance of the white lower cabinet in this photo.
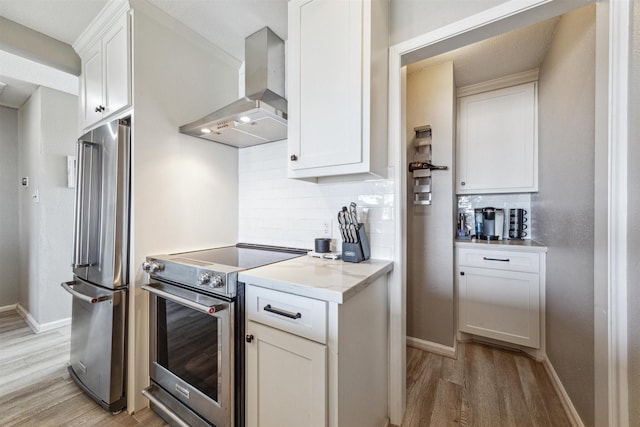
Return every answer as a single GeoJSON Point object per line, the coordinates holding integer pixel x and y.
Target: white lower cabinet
{"type": "Point", "coordinates": [316, 363]}
{"type": "Point", "coordinates": [286, 379]}
{"type": "Point", "coordinates": [500, 294]}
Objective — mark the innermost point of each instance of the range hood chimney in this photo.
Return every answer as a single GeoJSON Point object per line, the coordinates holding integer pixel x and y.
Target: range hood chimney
{"type": "Point", "coordinates": [260, 116]}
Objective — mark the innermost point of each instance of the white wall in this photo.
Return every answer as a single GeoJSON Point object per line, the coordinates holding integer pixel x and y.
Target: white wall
{"type": "Point", "coordinates": [275, 210]}
{"type": "Point", "coordinates": [633, 256]}
{"type": "Point", "coordinates": [9, 182]}
{"type": "Point", "coordinates": [48, 124]}
{"type": "Point", "coordinates": [430, 305]}
{"type": "Point", "coordinates": [411, 18]}
{"type": "Point", "coordinates": [564, 205]}
{"type": "Point", "coordinates": [184, 189]}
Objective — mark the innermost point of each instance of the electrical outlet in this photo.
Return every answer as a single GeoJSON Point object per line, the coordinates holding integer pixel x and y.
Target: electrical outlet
{"type": "Point", "coordinates": [326, 229]}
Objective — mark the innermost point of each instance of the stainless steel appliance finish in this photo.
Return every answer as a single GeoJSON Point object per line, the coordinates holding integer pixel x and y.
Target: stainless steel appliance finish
{"type": "Point", "coordinates": [261, 116]}
{"type": "Point", "coordinates": [197, 327]}
{"type": "Point", "coordinates": [101, 249]}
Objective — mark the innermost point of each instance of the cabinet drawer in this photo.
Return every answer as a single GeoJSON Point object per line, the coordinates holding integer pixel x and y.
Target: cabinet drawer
{"type": "Point", "coordinates": [306, 317]}
{"type": "Point", "coordinates": [528, 262]}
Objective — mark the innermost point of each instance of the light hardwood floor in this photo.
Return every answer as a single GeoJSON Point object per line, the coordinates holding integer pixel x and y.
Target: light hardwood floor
{"type": "Point", "coordinates": [484, 387]}
{"type": "Point", "coordinates": [35, 388]}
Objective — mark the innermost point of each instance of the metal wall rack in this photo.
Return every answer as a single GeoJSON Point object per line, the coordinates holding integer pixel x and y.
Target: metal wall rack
{"type": "Point", "coordinates": [421, 168]}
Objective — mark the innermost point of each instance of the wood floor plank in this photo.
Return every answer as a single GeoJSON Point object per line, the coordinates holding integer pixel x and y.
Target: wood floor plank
{"type": "Point", "coordinates": [453, 369]}
{"type": "Point", "coordinates": [148, 418]}
{"type": "Point", "coordinates": [511, 394]}
{"type": "Point", "coordinates": [533, 395]}
{"type": "Point", "coordinates": [483, 407]}
{"type": "Point", "coordinates": [35, 387]}
{"type": "Point", "coordinates": [447, 406]}
{"type": "Point", "coordinates": [423, 398]}
{"type": "Point", "coordinates": [554, 407]}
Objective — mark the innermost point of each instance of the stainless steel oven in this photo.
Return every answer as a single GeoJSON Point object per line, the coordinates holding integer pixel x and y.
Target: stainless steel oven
{"type": "Point", "coordinates": [197, 327]}
{"type": "Point", "coordinates": [192, 353]}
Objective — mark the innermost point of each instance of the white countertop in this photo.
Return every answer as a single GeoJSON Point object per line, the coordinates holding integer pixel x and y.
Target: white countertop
{"type": "Point", "coordinates": [527, 245]}
{"type": "Point", "coordinates": [324, 279]}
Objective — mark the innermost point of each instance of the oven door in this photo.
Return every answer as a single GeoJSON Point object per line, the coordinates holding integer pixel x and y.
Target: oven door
{"type": "Point", "coordinates": [192, 350]}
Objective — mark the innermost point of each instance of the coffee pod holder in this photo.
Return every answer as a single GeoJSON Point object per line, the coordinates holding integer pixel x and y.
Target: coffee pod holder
{"type": "Point", "coordinates": [358, 251]}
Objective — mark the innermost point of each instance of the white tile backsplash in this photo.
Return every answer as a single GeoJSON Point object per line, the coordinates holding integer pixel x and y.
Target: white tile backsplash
{"type": "Point", "coordinates": [276, 210]}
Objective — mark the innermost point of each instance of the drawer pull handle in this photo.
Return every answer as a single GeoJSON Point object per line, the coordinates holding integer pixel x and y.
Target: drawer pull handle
{"type": "Point", "coordinates": [495, 259]}
{"type": "Point", "coordinates": [282, 312]}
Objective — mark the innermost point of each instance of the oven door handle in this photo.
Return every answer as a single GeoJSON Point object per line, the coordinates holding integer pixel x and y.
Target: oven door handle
{"type": "Point", "coordinates": [206, 309]}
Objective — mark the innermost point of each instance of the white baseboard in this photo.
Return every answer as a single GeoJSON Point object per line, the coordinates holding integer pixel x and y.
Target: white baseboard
{"type": "Point", "coordinates": [38, 327]}
{"type": "Point", "coordinates": [569, 409]}
{"type": "Point", "coordinates": [433, 347]}
{"type": "Point", "coordinates": [11, 307]}
{"type": "Point", "coordinates": [537, 354]}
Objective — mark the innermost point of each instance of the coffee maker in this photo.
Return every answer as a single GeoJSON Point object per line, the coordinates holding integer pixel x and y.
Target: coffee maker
{"type": "Point", "coordinates": [489, 223]}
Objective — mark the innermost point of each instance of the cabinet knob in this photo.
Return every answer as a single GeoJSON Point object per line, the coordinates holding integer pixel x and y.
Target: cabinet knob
{"type": "Point", "coordinates": [463, 183]}
{"type": "Point", "coordinates": [248, 338]}
{"type": "Point", "coordinates": [462, 273]}
{"type": "Point", "coordinates": [100, 108]}
{"type": "Point", "coordinates": [294, 157]}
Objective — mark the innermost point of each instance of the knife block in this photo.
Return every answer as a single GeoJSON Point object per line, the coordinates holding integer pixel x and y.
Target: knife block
{"type": "Point", "coordinates": [359, 251]}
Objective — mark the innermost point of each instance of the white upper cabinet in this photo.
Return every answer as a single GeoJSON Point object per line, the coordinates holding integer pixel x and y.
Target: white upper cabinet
{"type": "Point", "coordinates": [105, 80]}
{"type": "Point", "coordinates": [337, 93]}
{"type": "Point", "coordinates": [498, 141]}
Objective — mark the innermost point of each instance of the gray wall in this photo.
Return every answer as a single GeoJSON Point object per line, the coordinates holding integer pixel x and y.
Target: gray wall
{"type": "Point", "coordinates": [9, 242]}
{"type": "Point", "coordinates": [430, 306]}
{"type": "Point", "coordinates": [25, 42]}
{"type": "Point", "coordinates": [564, 205]}
{"type": "Point", "coordinates": [633, 255]}
{"type": "Point", "coordinates": [48, 126]}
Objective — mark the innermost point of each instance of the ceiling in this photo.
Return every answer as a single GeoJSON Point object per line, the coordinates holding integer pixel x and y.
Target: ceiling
{"type": "Point", "coordinates": [226, 23]}
{"type": "Point", "coordinates": [519, 50]}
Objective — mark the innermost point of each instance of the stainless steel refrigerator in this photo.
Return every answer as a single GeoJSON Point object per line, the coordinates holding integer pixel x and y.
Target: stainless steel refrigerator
{"type": "Point", "coordinates": [100, 264]}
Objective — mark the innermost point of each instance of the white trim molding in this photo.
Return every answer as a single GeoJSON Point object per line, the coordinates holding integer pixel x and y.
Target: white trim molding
{"type": "Point", "coordinates": [434, 347]}
{"type": "Point", "coordinates": [11, 307]}
{"type": "Point", "coordinates": [618, 140]}
{"type": "Point", "coordinates": [565, 401]}
{"type": "Point", "coordinates": [499, 83]}
{"type": "Point", "coordinates": [41, 327]}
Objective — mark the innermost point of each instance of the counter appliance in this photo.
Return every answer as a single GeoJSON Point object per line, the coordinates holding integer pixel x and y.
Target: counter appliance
{"type": "Point", "coordinates": [489, 223]}
{"type": "Point", "coordinates": [100, 264]}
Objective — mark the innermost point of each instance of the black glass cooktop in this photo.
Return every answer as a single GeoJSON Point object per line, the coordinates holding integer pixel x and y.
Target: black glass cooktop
{"type": "Point", "coordinates": [243, 255]}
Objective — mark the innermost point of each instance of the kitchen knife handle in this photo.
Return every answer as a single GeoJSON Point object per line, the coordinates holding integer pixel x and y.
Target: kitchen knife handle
{"type": "Point", "coordinates": [281, 312]}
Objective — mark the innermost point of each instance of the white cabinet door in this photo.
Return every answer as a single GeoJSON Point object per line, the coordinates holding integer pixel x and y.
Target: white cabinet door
{"type": "Point", "coordinates": [327, 130]}
{"type": "Point", "coordinates": [500, 304]}
{"type": "Point", "coordinates": [92, 85]}
{"type": "Point", "coordinates": [106, 82]}
{"type": "Point", "coordinates": [115, 44]}
{"type": "Point", "coordinates": [497, 141]}
{"type": "Point", "coordinates": [286, 379]}
{"type": "Point", "coordinates": [337, 58]}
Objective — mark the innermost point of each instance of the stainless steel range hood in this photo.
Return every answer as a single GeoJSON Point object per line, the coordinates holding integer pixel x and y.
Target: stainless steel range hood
{"type": "Point", "coordinates": [261, 116]}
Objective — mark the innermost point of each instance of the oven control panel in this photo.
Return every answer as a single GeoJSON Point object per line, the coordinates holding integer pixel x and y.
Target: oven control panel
{"type": "Point", "coordinates": [211, 279]}
{"type": "Point", "coordinates": [191, 276]}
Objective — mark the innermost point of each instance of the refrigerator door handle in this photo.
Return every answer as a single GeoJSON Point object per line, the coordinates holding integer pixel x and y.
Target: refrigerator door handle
{"type": "Point", "coordinates": [68, 286]}
{"type": "Point", "coordinates": [79, 209]}
{"type": "Point", "coordinates": [82, 236]}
